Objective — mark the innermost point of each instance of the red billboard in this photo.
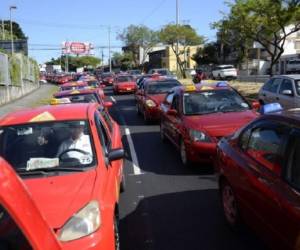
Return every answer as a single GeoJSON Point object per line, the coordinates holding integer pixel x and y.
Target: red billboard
{"type": "Point", "coordinates": [77, 48]}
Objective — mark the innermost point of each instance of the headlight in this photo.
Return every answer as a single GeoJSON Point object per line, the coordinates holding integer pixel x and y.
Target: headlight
{"type": "Point", "coordinates": [199, 136]}
{"type": "Point", "coordinates": [150, 103]}
{"type": "Point", "coordinates": [85, 222]}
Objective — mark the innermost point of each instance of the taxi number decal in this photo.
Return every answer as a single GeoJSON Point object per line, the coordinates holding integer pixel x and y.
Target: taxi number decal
{"type": "Point", "coordinates": [75, 92]}
{"type": "Point", "coordinates": [46, 116]}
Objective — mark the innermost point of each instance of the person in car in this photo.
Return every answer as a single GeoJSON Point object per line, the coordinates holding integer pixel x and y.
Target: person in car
{"type": "Point", "coordinates": [77, 141]}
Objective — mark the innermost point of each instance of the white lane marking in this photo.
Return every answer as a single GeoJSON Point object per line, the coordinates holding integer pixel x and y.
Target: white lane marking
{"type": "Point", "coordinates": [135, 163]}
{"type": "Point", "coordinates": [113, 99]}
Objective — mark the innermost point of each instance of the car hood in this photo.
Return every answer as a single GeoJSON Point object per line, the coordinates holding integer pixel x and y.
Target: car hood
{"type": "Point", "coordinates": [158, 99]}
{"type": "Point", "coordinates": [220, 124]}
{"type": "Point", "coordinates": [59, 197]}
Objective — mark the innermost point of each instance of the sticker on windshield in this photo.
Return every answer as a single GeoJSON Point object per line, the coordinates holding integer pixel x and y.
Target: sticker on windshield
{"type": "Point", "coordinates": [40, 163]}
{"type": "Point", "coordinates": [244, 105]}
{"type": "Point", "coordinates": [25, 131]}
{"type": "Point", "coordinates": [86, 159]}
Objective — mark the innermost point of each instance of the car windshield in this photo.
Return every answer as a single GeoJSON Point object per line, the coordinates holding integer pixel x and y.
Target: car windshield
{"type": "Point", "coordinates": [206, 102]}
{"type": "Point", "coordinates": [294, 62]}
{"type": "Point", "coordinates": [162, 72]}
{"type": "Point", "coordinates": [49, 146]}
{"type": "Point", "coordinates": [67, 88]}
{"type": "Point", "coordinates": [81, 98]}
{"type": "Point", "coordinates": [93, 84]}
{"type": "Point", "coordinates": [161, 87]}
{"type": "Point", "coordinates": [124, 79]}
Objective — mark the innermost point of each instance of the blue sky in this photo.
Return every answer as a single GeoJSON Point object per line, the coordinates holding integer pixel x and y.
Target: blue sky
{"type": "Point", "coordinates": [48, 23]}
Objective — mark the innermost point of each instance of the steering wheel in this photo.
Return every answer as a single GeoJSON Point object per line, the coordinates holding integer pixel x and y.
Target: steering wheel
{"type": "Point", "coordinates": [70, 150]}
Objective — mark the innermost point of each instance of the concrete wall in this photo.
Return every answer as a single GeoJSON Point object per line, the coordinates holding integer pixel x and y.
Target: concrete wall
{"type": "Point", "coordinates": [9, 93]}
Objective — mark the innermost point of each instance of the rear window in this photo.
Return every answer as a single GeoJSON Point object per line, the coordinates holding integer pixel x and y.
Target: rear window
{"type": "Point", "coordinates": [125, 79]}
{"type": "Point", "coordinates": [161, 87]}
{"type": "Point", "coordinates": [83, 98]}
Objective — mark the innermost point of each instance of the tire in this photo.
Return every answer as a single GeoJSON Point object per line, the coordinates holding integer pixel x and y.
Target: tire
{"type": "Point", "coordinates": [116, 233]}
{"type": "Point", "coordinates": [183, 155]}
{"type": "Point", "coordinates": [123, 183]}
{"type": "Point", "coordinates": [162, 134]}
{"type": "Point", "coordinates": [230, 206]}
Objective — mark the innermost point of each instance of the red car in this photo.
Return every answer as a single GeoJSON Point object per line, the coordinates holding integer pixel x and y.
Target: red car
{"type": "Point", "coordinates": [71, 160]}
{"type": "Point", "coordinates": [259, 178]}
{"type": "Point", "coordinates": [73, 86]}
{"type": "Point", "coordinates": [151, 93]}
{"type": "Point", "coordinates": [195, 117]}
{"type": "Point", "coordinates": [124, 84]}
{"type": "Point", "coordinates": [107, 78]}
{"type": "Point", "coordinates": [22, 225]}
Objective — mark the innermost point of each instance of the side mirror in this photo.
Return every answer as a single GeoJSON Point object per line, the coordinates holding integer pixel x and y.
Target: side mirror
{"type": "Point", "coordinates": [116, 154]}
{"type": "Point", "coordinates": [287, 92]}
{"type": "Point", "coordinates": [108, 104]}
{"type": "Point", "coordinates": [172, 112]}
{"type": "Point", "coordinates": [256, 105]}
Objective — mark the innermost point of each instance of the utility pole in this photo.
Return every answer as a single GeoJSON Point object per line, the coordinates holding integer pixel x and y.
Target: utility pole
{"type": "Point", "coordinates": [102, 57]}
{"type": "Point", "coordinates": [109, 46]}
{"type": "Point", "coordinates": [67, 59]}
{"type": "Point", "coordinates": [11, 28]}
{"type": "Point", "coordinates": [3, 37]}
{"type": "Point", "coordinates": [177, 42]}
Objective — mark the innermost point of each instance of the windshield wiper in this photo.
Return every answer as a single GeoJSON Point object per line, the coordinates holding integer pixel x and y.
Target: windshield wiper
{"type": "Point", "coordinates": [43, 171]}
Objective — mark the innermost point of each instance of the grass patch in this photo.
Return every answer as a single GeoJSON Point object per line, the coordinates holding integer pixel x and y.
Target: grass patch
{"type": "Point", "coordinates": [45, 101]}
{"type": "Point", "coordinates": [248, 89]}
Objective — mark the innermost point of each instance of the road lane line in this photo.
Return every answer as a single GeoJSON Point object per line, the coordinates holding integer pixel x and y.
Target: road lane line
{"type": "Point", "coordinates": [135, 163]}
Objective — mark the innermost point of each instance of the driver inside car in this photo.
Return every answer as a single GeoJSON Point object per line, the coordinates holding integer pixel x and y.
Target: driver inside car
{"type": "Point", "coordinates": [77, 141]}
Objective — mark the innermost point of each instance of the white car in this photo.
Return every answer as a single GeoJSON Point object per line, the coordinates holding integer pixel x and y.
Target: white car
{"type": "Point", "coordinates": [224, 72]}
{"type": "Point", "coordinates": [293, 66]}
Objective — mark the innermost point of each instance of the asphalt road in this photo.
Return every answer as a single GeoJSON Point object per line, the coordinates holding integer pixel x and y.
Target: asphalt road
{"type": "Point", "coordinates": [166, 206]}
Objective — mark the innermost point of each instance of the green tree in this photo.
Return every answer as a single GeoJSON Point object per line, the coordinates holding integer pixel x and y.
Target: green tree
{"type": "Point", "coordinates": [17, 30]}
{"type": "Point", "coordinates": [262, 21]}
{"type": "Point", "coordinates": [206, 55]}
{"type": "Point", "coordinates": [136, 37]}
{"type": "Point", "coordinates": [185, 35]}
{"type": "Point", "coordinates": [123, 60]}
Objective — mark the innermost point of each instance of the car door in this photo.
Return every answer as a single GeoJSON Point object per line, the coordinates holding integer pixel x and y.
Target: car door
{"type": "Point", "coordinates": [270, 90]}
{"type": "Point", "coordinates": [259, 168]}
{"type": "Point", "coordinates": [286, 94]}
{"type": "Point", "coordinates": [174, 121]}
{"type": "Point", "coordinates": [289, 193]}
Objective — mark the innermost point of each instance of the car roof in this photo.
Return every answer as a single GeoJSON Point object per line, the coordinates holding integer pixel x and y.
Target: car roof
{"type": "Point", "coordinates": [76, 92]}
{"type": "Point", "coordinates": [74, 111]}
{"type": "Point", "coordinates": [160, 79]}
{"type": "Point", "coordinates": [294, 77]}
{"type": "Point", "coordinates": [200, 87]}
{"type": "Point", "coordinates": [68, 84]}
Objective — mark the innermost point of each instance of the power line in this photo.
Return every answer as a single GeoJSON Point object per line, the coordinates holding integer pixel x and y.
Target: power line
{"type": "Point", "coordinates": [153, 11]}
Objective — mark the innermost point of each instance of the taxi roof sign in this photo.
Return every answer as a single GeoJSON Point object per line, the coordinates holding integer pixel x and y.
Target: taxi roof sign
{"type": "Point", "coordinates": [222, 84]}
{"type": "Point", "coordinates": [190, 87]}
{"type": "Point", "coordinates": [270, 108]}
{"type": "Point", "coordinates": [57, 101]}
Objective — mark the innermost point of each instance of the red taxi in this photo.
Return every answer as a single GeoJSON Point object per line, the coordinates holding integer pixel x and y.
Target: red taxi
{"type": "Point", "coordinates": [22, 226]}
{"type": "Point", "coordinates": [73, 86]}
{"type": "Point", "coordinates": [259, 177]}
{"type": "Point", "coordinates": [71, 160]}
{"type": "Point", "coordinates": [195, 117]}
{"type": "Point", "coordinates": [124, 84]}
{"type": "Point", "coordinates": [107, 78]}
{"type": "Point", "coordinates": [151, 93]}
{"type": "Point", "coordinates": [83, 95]}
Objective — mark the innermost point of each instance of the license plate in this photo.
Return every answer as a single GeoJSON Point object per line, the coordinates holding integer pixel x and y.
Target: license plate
{"type": "Point", "coordinates": [128, 89]}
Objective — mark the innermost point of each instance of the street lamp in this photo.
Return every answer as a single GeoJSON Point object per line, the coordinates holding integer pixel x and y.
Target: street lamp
{"type": "Point", "coordinates": [11, 28]}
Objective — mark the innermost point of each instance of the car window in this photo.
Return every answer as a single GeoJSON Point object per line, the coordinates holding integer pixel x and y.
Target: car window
{"type": "Point", "coordinates": [268, 84]}
{"type": "Point", "coordinates": [107, 119]}
{"type": "Point", "coordinates": [175, 103]}
{"type": "Point", "coordinates": [286, 85]}
{"type": "Point", "coordinates": [275, 84]}
{"type": "Point", "coordinates": [81, 98]}
{"type": "Point", "coordinates": [244, 139]}
{"type": "Point", "coordinates": [103, 136]}
{"type": "Point", "coordinates": [297, 83]}
{"type": "Point", "coordinates": [161, 87]}
{"type": "Point", "coordinates": [293, 166]}
{"type": "Point", "coordinates": [12, 236]}
{"type": "Point", "coordinates": [169, 97]}
{"type": "Point", "coordinates": [263, 146]}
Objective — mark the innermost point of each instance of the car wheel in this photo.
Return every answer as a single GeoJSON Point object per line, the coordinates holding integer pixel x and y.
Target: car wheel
{"type": "Point", "coordinates": [123, 183]}
{"type": "Point", "coordinates": [229, 205]}
{"type": "Point", "coordinates": [116, 233]}
{"type": "Point", "coordinates": [183, 154]}
{"type": "Point", "coordinates": [162, 134]}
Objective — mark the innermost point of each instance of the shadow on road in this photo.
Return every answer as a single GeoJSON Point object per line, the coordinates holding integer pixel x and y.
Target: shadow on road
{"type": "Point", "coordinates": [186, 220]}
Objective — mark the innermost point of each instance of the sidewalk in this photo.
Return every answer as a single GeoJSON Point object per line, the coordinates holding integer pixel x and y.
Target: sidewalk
{"type": "Point", "coordinates": [33, 99]}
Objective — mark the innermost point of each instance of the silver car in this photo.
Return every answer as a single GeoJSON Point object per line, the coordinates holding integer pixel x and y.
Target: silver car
{"type": "Point", "coordinates": [284, 89]}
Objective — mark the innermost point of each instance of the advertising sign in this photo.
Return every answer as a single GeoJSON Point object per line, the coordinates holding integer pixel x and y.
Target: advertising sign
{"type": "Point", "coordinates": [76, 48]}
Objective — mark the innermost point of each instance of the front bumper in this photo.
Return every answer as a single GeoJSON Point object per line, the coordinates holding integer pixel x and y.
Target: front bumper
{"type": "Point", "coordinates": [153, 114]}
{"type": "Point", "coordinates": [201, 151]}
